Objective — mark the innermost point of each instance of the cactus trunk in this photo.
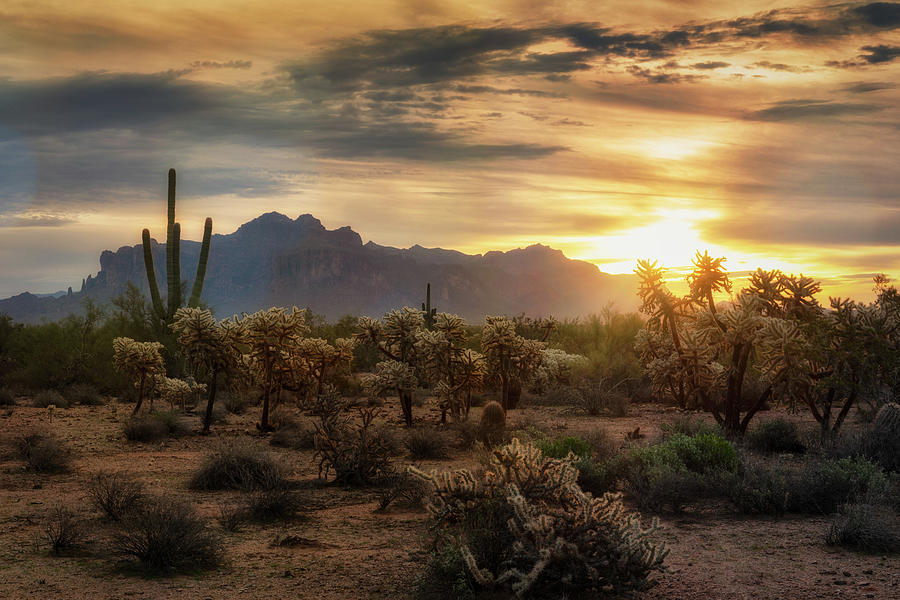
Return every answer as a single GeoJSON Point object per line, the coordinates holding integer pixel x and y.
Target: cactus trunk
{"type": "Point", "coordinates": [151, 275]}
{"type": "Point", "coordinates": [201, 265]}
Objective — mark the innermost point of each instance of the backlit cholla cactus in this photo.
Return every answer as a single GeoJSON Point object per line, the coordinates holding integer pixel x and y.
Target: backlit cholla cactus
{"type": "Point", "coordinates": [395, 336]}
{"type": "Point", "coordinates": [140, 360]}
{"type": "Point", "coordinates": [210, 347]}
{"type": "Point", "coordinates": [313, 361]}
{"type": "Point", "coordinates": [511, 358]}
{"type": "Point", "coordinates": [565, 539]}
{"type": "Point", "coordinates": [391, 377]}
{"type": "Point", "coordinates": [455, 371]}
{"type": "Point", "coordinates": [270, 334]}
{"type": "Point", "coordinates": [177, 392]}
{"type": "Point", "coordinates": [556, 367]}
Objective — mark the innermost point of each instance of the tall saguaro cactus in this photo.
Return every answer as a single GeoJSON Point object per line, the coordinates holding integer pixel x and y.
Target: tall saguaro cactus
{"type": "Point", "coordinates": [173, 262]}
{"type": "Point", "coordinates": [428, 312]}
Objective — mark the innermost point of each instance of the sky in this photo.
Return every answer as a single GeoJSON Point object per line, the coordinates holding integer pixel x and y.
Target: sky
{"type": "Point", "coordinates": [766, 132]}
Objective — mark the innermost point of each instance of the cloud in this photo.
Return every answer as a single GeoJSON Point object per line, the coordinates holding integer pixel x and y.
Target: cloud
{"type": "Point", "coordinates": [709, 65]}
{"type": "Point", "coordinates": [231, 64]}
{"type": "Point", "coordinates": [35, 221]}
{"type": "Point", "coordinates": [765, 64]}
{"type": "Point", "coordinates": [794, 110]}
{"type": "Point", "coordinates": [880, 54]}
{"type": "Point", "coordinates": [864, 87]}
{"type": "Point", "coordinates": [795, 227]}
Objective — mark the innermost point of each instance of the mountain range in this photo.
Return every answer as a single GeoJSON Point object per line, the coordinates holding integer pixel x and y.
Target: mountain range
{"type": "Point", "coordinates": [274, 260]}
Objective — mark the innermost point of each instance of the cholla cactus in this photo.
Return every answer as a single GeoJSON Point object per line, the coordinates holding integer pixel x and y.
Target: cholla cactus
{"type": "Point", "coordinates": [395, 336]}
{"type": "Point", "coordinates": [313, 360]}
{"type": "Point", "coordinates": [556, 367]}
{"type": "Point", "coordinates": [511, 358]}
{"type": "Point", "coordinates": [269, 334]}
{"type": "Point", "coordinates": [141, 360]}
{"type": "Point", "coordinates": [565, 539]}
{"type": "Point", "coordinates": [178, 391]}
{"type": "Point", "coordinates": [455, 371]}
{"type": "Point", "coordinates": [210, 347]}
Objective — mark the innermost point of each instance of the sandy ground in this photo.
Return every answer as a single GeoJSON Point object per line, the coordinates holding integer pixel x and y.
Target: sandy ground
{"type": "Point", "coordinates": [353, 551]}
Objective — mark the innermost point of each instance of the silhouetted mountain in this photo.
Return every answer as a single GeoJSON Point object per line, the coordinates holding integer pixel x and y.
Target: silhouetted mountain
{"type": "Point", "coordinates": [276, 261]}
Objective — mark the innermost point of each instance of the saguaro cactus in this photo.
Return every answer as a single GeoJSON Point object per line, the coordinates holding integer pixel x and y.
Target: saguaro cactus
{"type": "Point", "coordinates": [427, 311]}
{"type": "Point", "coordinates": [173, 262]}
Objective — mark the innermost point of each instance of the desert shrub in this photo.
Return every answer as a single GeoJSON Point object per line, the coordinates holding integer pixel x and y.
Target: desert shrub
{"type": "Point", "coordinates": [400, 487]}
{"type": "Point", "coordinates": [775, 435]}
{"type": "Point", "coordinates": [175, 426]}
{"type": "Point", "coordinates": [238, 465]}
{"type": "Point", "coordinates": [235, 403]}
{"type": "Point", "coordinates": [144, 429]}
{"type": "Point", "coordinates": [115, 493]}
{"type": "Point", "coordinates": [232, 516]}
{"type": "Point", "coordinates": [603, 445]}
{"type": "Point", "coordinates": [84, 394]}
{"type": "Point", "coordinates": [687, 425]}
{"type": "Point", "coordinates": [867, 528]}
{"type": "Point", "coordinates": [298, 438]}
{"type": "Point", "coordinates": [595, 477]}
{"type": "Point", "coordinates": [7, 398]}
{"type": "Point", "coordinates": [559, 395]}
{"type": "Point", "coordinates": [664, 487]}
{"type": "Point", "coordinates": [465, 433]}
{"type": "Point", "coordinates": [427, 444]}
{"type": "Point", "coordinates": [527, 526]}
{"type": "Point", "coordinates": [45, 398]}
{"type": "Point", "coordinates": [560, 447]}
{"type": "Point", "coordinates": [757, 489]}
{"type": "Point", "coordinates": [272, 503]}
{"type": "Point", "coordinates": [165, 535]}
{"type": "Point", "coordinates": [356, 454]}
{"type": "Point", "coordinates": [446, 575]}
{"type": "Point", "coordinates": [63, 530]}
{"type": "Point", "coordinates": [699, 453]}
{"type": "Point", "coordinates": [42, 452]}
{"type": "Point", "coordinates": [823, 485]}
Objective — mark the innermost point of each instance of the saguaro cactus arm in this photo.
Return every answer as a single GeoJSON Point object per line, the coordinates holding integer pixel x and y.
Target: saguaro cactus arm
{"type": "Point", "coordinates": [201, 265]}
{"type": "Point", "coordinates": [151, 274]}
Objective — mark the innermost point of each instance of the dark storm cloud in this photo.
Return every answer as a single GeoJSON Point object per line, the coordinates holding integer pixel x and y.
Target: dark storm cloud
{"type": "Point", "coordinates": [880, 54]}
{"type": "Point", "coordinates": [793, 110]}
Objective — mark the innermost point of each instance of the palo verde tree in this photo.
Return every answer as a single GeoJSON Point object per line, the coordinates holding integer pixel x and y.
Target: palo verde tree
{"type": "Point", "coordinates": [454, 370]}
{"type": "Point", "coordinates": [211, 348]}
{"type": "Point", "coordinates": [139, 360]}
{"type": "Point", "coordinates": [395, 336]}
{"type": "Point", "coordinates": [511, 359]}
{"type": "Point", "coordinates": [165, 314]}
{"type": "Point", "coordinates": [269, 335]}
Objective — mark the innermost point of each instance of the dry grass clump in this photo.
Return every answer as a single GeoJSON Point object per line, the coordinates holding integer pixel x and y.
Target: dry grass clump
{"type": "Point", "coordinates": [238, 465]}
{"type": "Point", "coordinates": [115, 493]}
{"type": "Point", "coordinates": [42, 452]}
{"type": "Point", "coordinates": [63, 530]}
{"type": "Point", "coordinates": [427, 444]}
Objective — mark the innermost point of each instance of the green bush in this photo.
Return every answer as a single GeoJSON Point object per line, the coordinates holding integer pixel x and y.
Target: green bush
{"type": "Point", "coordinates": [824, 485]}
{"type": "Point", "coordinates": [867, 528]}
{"type": "Point", "coordinates": [666, 487]}
{"type": "Point", "coordinates": [688, 425]}
{"type": "Point", "coordinates": [757, 489]}
{"type": "Point", "coordinates": [701, 453]}
{"type": "Point", "coordinates": [45, 398]}
{"type": "Point", "coordinates": [560, 447]}
{"type": "Point", "coordinates": [594, 477]}
{"type": "Point", "coordinates": [775, 435]}
{"type": "Point", "coordinates": [238, 466]}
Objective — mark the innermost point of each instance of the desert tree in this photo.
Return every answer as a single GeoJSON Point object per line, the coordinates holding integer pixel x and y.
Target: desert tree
{"type": "Point", "coordinates": [139, 360]}
{"type": "Point", "coordinates": [395, 337]}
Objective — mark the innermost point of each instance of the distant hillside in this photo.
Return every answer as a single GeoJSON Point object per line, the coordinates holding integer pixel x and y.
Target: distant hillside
{"type": "Point", "coordinates": [276, 261]}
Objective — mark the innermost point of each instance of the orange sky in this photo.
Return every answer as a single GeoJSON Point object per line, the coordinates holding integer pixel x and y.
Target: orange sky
{"type": "Point", "coordinates": [766, 132]}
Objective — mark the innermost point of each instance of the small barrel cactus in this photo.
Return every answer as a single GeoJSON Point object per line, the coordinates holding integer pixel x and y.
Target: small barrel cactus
{"type": "Point", "coordinates": [493, 417]}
